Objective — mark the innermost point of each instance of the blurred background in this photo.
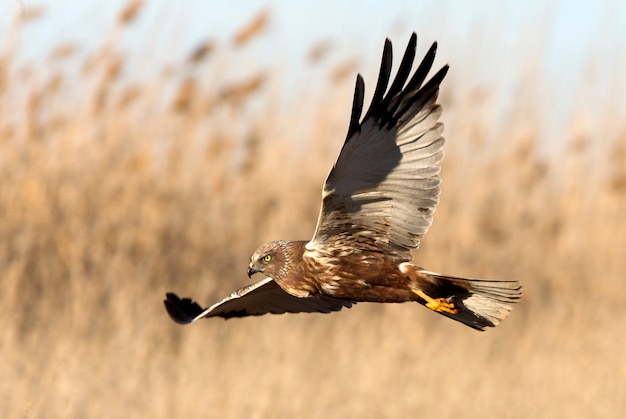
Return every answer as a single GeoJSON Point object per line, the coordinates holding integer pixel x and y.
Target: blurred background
{"type": "Point", "coordinates": [149, 146]}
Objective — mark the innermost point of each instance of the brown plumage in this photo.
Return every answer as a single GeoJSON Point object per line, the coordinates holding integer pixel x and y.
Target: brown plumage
{"type": "Point", "coordinates": [377, 203]}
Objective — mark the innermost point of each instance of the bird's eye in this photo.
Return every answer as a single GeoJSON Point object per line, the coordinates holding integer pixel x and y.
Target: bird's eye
{"type": "Point", "coordinates": [267, 258]}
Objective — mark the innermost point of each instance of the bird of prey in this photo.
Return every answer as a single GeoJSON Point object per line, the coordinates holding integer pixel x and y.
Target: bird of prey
{"type": "Point", "coordinates": [377, 203]}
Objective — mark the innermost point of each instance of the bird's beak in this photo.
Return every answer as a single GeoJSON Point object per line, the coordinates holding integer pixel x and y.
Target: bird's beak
{"type": "Point", "coordinates": [252, 270]}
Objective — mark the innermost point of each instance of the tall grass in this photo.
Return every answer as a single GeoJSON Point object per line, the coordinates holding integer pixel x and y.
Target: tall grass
{"type": "Point", "coordinates": [114, 190]}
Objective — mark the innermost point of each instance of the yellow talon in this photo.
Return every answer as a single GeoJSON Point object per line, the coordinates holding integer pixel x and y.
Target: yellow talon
{"type": "Point", "coordinates": [440, 304]}
{"type": "Point", "coordinates": [437, 304]}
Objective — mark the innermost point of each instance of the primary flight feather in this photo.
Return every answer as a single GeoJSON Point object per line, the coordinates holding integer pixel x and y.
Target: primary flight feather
{"type": "Point", "coordinates": [377, 203]}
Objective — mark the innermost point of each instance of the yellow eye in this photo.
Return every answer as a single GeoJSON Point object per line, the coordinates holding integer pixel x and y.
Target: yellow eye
{"type": "Point", "coordinates": [267, 258]}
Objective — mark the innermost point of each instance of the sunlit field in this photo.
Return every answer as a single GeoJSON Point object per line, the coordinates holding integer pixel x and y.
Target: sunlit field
{"type": "Point", "coordinates": [115, 189]}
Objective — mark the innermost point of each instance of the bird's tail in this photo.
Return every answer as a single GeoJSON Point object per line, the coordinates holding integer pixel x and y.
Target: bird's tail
{"type": "Point", "coordinates": [477, 303]}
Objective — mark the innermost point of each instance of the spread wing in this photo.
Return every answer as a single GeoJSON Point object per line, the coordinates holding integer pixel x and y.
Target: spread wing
{"type": "Point", "coordinates": [382, 191]}
{"type": "Point", "coordinates": [252, 300]}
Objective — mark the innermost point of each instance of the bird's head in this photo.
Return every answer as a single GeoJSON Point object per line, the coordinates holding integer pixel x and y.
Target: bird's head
{"type": "Point", "coordinates": [269, 259]}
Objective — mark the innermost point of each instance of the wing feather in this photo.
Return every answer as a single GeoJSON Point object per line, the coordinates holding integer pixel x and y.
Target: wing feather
{"type": "Point", "coordinates": [383, 79]}
{"type": "Point", "coordinates": [357, 106]}
{"type": "Point", "coordinates": [383, 189]}
{"type": "Point", "coordinates": [262, 297]}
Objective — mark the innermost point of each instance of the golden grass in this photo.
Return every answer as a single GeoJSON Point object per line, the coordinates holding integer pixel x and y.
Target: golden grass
{"type": "Point", "coordinates": [252, 29]}
{"type": "Point", "coordinates": [130, 12]}
{"type": "Point", "coordinates": [114, 192]}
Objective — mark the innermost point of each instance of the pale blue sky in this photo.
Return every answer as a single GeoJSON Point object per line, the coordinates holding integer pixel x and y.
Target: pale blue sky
{"type": "Point", "coordinates": [576, 51]}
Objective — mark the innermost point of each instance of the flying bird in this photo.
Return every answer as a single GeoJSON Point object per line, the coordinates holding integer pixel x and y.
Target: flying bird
{"type": "Point", "coordinates": [377, 204]}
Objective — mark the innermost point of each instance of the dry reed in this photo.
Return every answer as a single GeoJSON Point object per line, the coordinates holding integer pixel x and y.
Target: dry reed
{"type": "Point", "coordinates": [257, 25]}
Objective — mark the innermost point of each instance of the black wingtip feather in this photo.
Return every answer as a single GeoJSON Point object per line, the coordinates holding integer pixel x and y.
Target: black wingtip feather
{"type": "Point", "coordinates": [422, 70]}
{"type": "Point", "coordinates": [357, 106]}
{"type": "Point", "coordinates": [388, 108]}
{"type": "Point", "coordinates": [425, 94]}
{"type": "Point", "coordinates": [182, 311]}
{"type": "Point", "coordinates": [403, 72]}
{"type": "Point", "coordinates": [432, 86]}
{"type": "Point", "coordinates": [383, 78]}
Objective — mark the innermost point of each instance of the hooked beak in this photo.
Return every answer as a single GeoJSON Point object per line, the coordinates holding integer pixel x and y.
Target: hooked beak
{"type": "Point", "coordinates": [252, 270]}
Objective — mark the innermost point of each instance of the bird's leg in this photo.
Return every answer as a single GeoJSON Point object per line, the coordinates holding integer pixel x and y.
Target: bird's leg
{"type": "Point", "coordinates": [436, 304]}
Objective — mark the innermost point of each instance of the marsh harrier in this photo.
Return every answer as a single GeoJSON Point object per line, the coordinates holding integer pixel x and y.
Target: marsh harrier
{"type": "Point", "coordinates": [377, 203]}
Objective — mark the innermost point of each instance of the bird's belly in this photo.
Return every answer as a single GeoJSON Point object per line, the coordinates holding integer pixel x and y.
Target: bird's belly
{"type": "Point", "coordinates": [373, 282]}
